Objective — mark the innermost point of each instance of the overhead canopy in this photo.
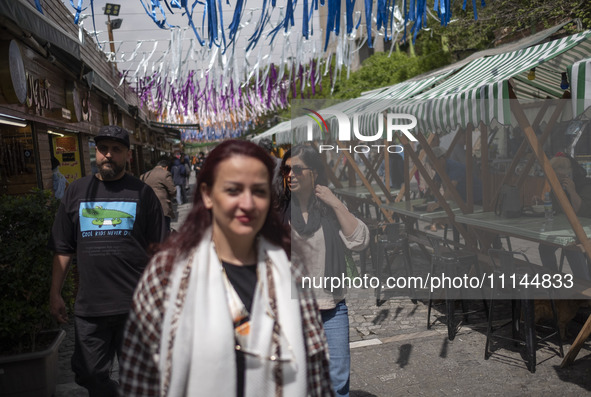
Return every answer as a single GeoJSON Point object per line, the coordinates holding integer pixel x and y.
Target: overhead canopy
{"type": "Point", "coordinates": [371, 103]}
{"type": "Point", "coordinates": [384, 100]}
{"type": "Point", "coordinates": [284, 126]}
{"type": "Point", "coordinates": [43, 28]}
{"type": "Point", "coordinates": [479, 92]}
{"type": "Point", "coordinates": [580, 78]}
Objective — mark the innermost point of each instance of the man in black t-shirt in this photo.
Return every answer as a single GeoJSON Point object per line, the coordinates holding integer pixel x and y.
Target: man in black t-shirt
{"type": "Point", "coordinates": [108, 221]}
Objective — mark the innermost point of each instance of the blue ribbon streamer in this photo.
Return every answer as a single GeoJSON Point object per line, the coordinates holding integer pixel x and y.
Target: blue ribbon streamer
{"type": "Point", "coordinates": [349, 9]}
{"type": "Point", "coordinates": [223, 43]}
{"type": "Point", "coordinates": [191, 23]}
{"type": "Point", "coordinates": [305, 21]}
{"type": "Point", "coordinates": [333, 20]}
{"type": "Point", "coordinates": [212, 21]}
{"type": "Point", "coordinates": [235, 24]}
{"type": "Point", "coordinates": [38, 5]}
{"type": "Point", "coordinates": [382, 16]}
{"type": "Point", "coordinates": [78, 9]}
{"type": "Point", "coordinates": [155, 4]}
{"type": "Point", "coordinates": [253, 40]}
{"type": "Point", "coordinates": [368, 10]}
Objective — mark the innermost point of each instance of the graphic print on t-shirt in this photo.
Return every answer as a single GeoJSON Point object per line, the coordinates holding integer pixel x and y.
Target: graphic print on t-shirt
{"type": "Point", "coordinates": [98, 216]}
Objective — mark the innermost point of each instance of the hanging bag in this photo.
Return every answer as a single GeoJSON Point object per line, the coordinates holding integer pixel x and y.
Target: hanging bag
{"type": "Point", "coordinates": [509, 202]}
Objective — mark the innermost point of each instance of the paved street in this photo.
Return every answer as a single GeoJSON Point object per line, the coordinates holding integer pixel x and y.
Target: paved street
{"type": "Point", "coordinates": [393, 353]}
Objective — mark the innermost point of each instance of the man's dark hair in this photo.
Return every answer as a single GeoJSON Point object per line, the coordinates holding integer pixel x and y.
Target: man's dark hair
{"type": "Point", "coordinates": [266, 144]}
{"type": "Point", "coordinates": [163, 161]}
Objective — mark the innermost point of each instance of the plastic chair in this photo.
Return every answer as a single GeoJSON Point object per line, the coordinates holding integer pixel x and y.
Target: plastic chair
{"type": "Point", "coordinates": [504, 263]}
{"type": "Point", "coordinates": [451, 260]}
{"type": "Point", "coordinates": [393, 241]}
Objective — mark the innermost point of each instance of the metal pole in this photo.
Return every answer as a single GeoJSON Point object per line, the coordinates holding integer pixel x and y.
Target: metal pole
{"type": "Point", "coordinates": [111, 40]}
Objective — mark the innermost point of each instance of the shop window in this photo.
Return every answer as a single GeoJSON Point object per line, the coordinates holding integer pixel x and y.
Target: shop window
{"type": "Point", "coordinates": [92, 152]}
{"type": "Point", "coordinates": [66, 149]}
{"type": "Point", "coordinates": [18, 174]}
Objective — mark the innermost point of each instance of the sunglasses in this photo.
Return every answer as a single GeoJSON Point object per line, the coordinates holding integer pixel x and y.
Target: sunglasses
{"type": "Point", "coordinates": [298, 170]}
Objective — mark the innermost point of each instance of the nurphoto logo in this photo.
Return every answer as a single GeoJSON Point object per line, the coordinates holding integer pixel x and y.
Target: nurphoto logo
{"type": "Point", "coordinates": [395, 123]}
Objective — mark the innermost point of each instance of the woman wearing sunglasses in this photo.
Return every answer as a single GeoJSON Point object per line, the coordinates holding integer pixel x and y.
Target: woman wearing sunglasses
{"type": "Point", "coordinates": [214, 313]}
{"type": "Point", "coordinates": [322, 229]}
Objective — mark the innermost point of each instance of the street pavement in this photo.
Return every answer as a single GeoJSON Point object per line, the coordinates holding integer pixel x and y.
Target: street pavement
{"type": "Point", "coordinates": [393, 353]}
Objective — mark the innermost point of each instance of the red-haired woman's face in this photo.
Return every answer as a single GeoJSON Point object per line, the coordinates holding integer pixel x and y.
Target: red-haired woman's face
{"type": "Point", "coordinates": [239, 199]}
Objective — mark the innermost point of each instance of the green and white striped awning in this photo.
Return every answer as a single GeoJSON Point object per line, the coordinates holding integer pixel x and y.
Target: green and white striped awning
{"type": "Point", "coordinates": [366, 106]}
{"type": "Point", "coordinates": [479, 92]}
{"type": "Point", "coordinates": [277, 129]}
{"type": "Point", "coordinates": [580, 78]}
{"type": "Point", "coordinates": [378, 104]}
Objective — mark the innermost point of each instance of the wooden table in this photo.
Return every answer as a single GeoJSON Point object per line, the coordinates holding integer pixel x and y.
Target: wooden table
{"type": "Point", "coordinates": [558, 233]}
{"type": "Point", "coordinates": [406, 208]}
{"type": "Point", "coordinates": [535, 228]}
{"type": "Point", "coordinates": [361, 192]}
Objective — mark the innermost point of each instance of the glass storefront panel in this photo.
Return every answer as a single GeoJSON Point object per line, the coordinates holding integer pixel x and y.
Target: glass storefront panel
{"type": "Point", "coordinates": [18, 174]}
{"type": "Point", "coordinates": [92, 153]}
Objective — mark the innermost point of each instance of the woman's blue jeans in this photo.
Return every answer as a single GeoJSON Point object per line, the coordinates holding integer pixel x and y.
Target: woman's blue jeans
{"type": "Point", "coordinates": [336, 327]}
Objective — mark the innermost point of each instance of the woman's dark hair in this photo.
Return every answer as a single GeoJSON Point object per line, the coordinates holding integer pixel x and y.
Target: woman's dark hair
{"type": "Point", "coordinates": [312, 159]}
{"type": "Point", "coordinates": [199, 219]}
{"type": "Point", "coordinates": [285, 196]}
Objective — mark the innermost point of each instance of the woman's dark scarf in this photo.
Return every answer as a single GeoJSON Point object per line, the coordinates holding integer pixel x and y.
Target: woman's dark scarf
{"type": "Point", "coordinates": [320, 215]}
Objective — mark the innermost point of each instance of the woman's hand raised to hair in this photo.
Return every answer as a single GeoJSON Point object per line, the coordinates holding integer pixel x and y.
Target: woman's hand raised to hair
{"type": "Point", "coordinates": [347, 221]}
{"type": "Point", "coordinates": [327, 196]}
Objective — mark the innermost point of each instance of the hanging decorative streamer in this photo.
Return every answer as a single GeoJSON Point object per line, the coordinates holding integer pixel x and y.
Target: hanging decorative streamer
{"type": "Point", "coordinates": [38, 5]}
{"type": "Point", "coordinates": [212, 11]}
{"type": "Point", "coordinates": [162, 24]}
{"type": "Point", "coordinates": [231, 95]}
{"type": "Point", "coordinates": [368, 8]}
{"type": "Point", "coordinates": [332, 20]}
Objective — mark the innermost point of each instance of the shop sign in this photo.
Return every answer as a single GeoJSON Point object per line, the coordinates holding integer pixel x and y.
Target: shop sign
{"type": "Point", "coordinates": [74, 101]}
{"type": "Point", "coordinates": [38, 94]}
{"type": "Point", "coordinates": [13, 79]}
{"type": "Point", "coordinates": [66, 114]}
{"type": "Point", "coordinates": [86, 110]}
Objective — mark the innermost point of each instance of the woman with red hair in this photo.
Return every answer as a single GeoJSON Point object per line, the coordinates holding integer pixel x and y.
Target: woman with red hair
{"type": "Point", "coordinates": [214, 313]}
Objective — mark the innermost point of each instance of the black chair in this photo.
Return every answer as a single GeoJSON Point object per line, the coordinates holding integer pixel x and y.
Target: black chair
{"type": "Point", "coordinates": [522, 305]}
{"type": "Point", "coordinates": [373, 227]}
{"type": "Point", "coordinates": [451, 261]}
{"type": "Point", "coordinates": [393, 241]}
{"type": "Point", "coordinates": [456, 237]}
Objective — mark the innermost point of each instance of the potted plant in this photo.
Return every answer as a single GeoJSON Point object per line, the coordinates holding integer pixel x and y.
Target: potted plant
{"type": "Point", "coordinates": [26, 345]}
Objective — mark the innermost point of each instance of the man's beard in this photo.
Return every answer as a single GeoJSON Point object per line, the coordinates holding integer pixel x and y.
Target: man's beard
{"type": "Point", "coordinates": [110, 173]}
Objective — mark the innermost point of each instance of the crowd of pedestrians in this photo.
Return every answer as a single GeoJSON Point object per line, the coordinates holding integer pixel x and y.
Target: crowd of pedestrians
{"type": "Point", "coordinates": [209, 310]}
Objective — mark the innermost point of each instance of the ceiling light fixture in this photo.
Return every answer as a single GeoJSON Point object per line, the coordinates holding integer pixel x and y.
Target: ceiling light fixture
{"type": "Point", "coordinates": [10, 120]}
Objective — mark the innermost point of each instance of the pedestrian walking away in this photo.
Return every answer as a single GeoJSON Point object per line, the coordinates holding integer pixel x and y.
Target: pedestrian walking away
{"type": "Point", "coordinates": [59, 180]}
{"type": "Point", "coordinates": [109, 221]}
{"type": "Point", "coordinates": [179, 176]}
{"type": "Point", "coordinates": [160, 179]}
{"type": "Point", "coordinates": [217, 312]}
{"type": "Point", "coordinates": [187, 163]}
